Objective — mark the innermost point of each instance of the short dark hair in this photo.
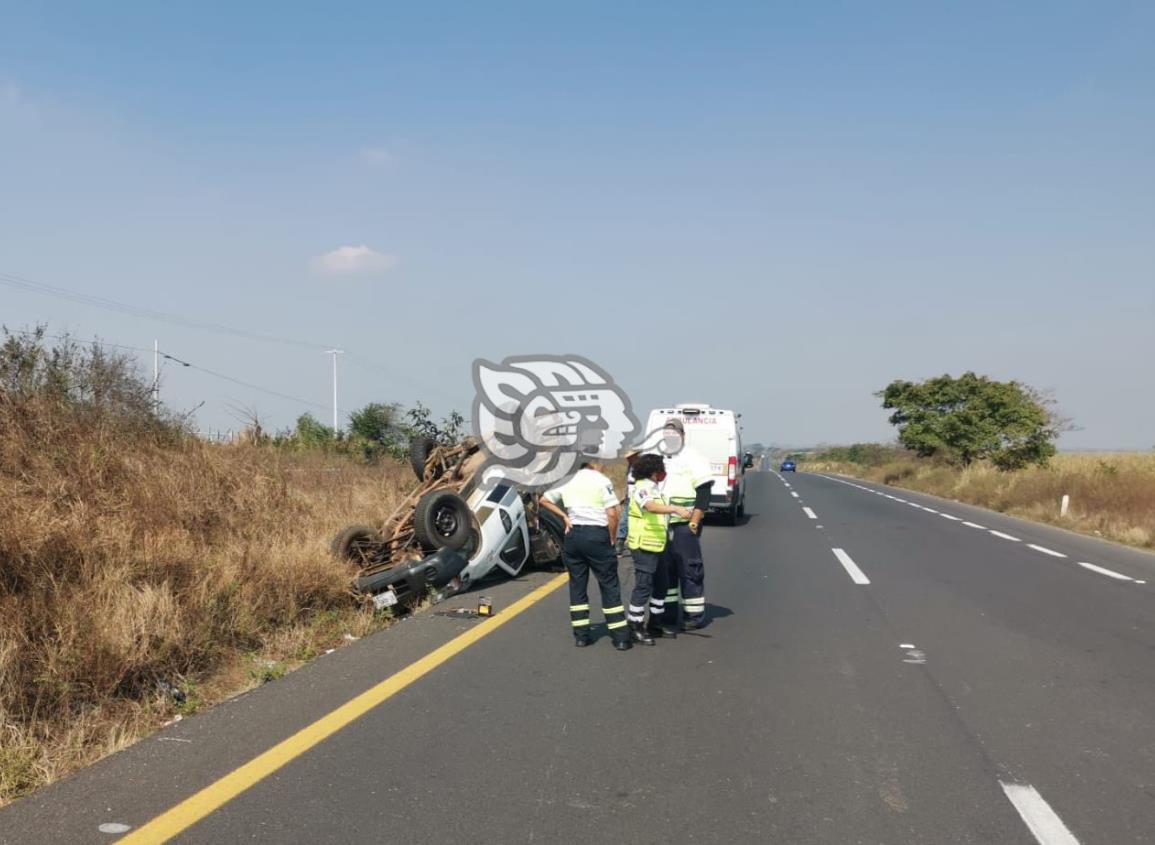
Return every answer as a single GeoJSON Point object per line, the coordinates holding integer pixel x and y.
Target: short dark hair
{"type": "Point", "coordinates": [647, 466]}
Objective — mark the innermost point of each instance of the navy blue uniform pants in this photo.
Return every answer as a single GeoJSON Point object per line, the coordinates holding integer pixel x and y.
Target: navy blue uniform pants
{"type": "Point", "coordinates": [685, 552]}
{"type": "Point", "coordinates": [651, 585]}
{"type": "Point", "coordinates": [588, 548]}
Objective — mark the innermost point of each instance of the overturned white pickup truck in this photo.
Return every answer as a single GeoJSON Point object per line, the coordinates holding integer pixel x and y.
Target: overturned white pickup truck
{"type": "Point", "coordinates": [449, 534]}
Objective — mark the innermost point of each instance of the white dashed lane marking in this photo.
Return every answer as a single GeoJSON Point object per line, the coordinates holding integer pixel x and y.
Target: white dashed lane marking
{"type": "Point", "coordinates": [1003, 536]}
{"type": "Point", "coordinates": [1101, 570]}
{"type": "Point", "coordinates": [856, 574]}
{"type": "Point", "coordinates": [810, 513]}
{"type": "Point", "coordinates": [1043, 822]}
{"type": "Point", "coordinates": [1110, 573]}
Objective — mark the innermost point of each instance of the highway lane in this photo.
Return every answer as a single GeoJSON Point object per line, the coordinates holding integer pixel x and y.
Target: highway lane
{"type": "Point", "coordinates": [873, 673]}
{"type": "Point", "coordinates": [1046, 661]}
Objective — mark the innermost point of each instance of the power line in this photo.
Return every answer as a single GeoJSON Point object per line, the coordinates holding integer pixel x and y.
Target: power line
{"type": "Point", "coordinates": [78, 341]}
{"type": "Point", "coordinates": [249, 385]}
{"type": "Point", "coordinates": [14, 281]}
{"type": "Point", "coordinates": [21, 283]}
{"type": "Point", "coordinates": [169, 357]}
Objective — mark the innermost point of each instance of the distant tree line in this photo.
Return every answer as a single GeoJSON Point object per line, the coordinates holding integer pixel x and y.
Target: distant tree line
{"type": "Point", "coordinates": [376, 431]}
{"type": "Point", "coordinates": [958, 421]}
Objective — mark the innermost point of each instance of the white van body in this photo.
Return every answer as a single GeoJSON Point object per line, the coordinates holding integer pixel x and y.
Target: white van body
{"type": "Point", "coordinates": [715, 435]}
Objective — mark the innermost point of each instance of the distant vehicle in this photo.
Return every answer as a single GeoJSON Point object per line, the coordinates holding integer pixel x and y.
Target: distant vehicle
{"type": "Point", "coordinates": [714, 433]}
{"type": "Point", "coordinates": [788, 465]}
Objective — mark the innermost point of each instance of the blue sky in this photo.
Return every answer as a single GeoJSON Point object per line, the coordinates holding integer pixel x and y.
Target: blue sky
{"type": "Point", "coordinates": [773, 207]}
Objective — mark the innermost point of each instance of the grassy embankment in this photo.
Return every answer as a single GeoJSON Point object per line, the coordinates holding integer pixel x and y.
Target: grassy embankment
{"type": "Point", "coordinates": [1112, 494]}
{"type": "Point", "coordinates": [145, 574]}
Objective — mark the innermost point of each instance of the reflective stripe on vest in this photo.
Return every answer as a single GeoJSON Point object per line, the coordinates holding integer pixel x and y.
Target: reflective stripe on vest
{"type": "Point", "coordinates": [647, 530]}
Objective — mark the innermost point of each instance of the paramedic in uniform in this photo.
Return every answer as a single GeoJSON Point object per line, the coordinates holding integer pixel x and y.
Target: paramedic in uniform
{"type": "Point", "coordinates": [589, 506]}
{"type": "Point", "coordinates": [689, 481]}
{"type": "Point", "coordinates": [647, 539]}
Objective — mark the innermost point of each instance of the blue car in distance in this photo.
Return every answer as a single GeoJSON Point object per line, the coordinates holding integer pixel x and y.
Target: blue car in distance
{"type": "Point", "coordinates": [788, 466]}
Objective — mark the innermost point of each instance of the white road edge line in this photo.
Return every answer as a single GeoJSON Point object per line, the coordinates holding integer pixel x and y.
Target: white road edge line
{"type": "Point", "coordinates": [856, 574]}
{"type": "Point", "coordinates": [1102, 570]}
{"type": "Point", "coordinates": [948, 516]}
{"type": "Point", "coordinates": [1003, 536]}
{"type": "Point", "coordinates": [975, 525]}
{"type": "Point", "coordinates": [810, 513]}
{"type": "Point", "coordinates": [1045, 550]}
{"type": "Point", "coordinates": [1040, 819]}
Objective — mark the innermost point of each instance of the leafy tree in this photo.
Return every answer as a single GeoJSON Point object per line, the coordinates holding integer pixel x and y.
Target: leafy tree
{"type": "Point", "coordinates": [449, 431]}
{"type": "Point", "coordinates": [376, 430]}
{"type": "Point", "coordinates": [973, 418]}
{"type": "Point", "coordinates": [311, 433]}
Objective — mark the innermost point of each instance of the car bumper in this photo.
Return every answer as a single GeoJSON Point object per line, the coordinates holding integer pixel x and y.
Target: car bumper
{"type": "Point", "coordinates": [722, 503]}
{"type": "Point", "coordinates": [413, 578]}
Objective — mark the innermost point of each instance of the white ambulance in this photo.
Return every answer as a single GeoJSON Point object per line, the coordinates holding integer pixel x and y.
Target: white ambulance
{"type": "Point", "coordinates": [715, 435]}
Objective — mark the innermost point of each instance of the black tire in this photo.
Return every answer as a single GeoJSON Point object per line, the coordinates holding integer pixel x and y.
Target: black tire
{"type": "Point", "coordinates": [742, 507]}
{"type": "Point", "coordinates": [442, 519]}
{"type": "Point", "coordinates": [359, 544]}
{"type": "Point", "coordinates": [549, 521]}
{"type": "Point", "coordinates": [419, 450]}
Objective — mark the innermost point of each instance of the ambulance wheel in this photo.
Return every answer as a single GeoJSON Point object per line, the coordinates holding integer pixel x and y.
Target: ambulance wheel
{"type": "Point", "coordinates": [442, 519]}
{"type": "Point", "coordinates": [419, 450]}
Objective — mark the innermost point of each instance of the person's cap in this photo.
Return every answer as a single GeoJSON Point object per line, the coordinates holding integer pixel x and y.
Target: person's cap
{"type": "Point", "coordinates": [632, 453]}
{"type": "Point", "coordinates": [676, 424]}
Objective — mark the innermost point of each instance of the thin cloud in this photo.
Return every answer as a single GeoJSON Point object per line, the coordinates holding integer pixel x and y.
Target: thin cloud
{"type": "Point", "coordinates": [353, 260]}
{"type": "Point", "coordinates": [376, 156]}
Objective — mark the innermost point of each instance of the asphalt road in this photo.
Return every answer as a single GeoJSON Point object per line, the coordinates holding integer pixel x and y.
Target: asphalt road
{"type": "Point", "coordinates": [880, 667]}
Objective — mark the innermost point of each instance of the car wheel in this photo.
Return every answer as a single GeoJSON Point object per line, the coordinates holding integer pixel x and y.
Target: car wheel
{"type": "Point", "coordinates": [359, 544]}
{"type": "Point", "coordinates": [442, 519]}
{"type": "Point", "coordinates": [419, 451]}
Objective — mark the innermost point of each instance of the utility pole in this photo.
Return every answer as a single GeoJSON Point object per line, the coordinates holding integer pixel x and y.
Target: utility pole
{"type": "Point", "coordinates": [156, 373]}
{"type": "Point", "coordinates": [335, 353]}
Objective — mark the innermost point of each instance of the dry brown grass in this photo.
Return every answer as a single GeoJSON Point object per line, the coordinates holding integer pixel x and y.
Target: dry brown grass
{"type": "Point", "coordinates": [1112, 494]}
{"type": "Point", "coordinates": [131, 560]}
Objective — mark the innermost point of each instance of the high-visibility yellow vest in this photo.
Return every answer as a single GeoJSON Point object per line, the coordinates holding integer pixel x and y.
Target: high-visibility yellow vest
{"type": "Point", "coordinates": [647, 529]}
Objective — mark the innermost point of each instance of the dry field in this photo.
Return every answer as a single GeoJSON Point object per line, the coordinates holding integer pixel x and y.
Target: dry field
{"type": "Point", "coordinates": [138, 563]}
{"type": "Point", "coordinates": [1112, 494]}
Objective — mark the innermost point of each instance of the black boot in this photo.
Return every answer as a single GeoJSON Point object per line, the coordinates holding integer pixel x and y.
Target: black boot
{"type": "Point", "coordinates": [623, 644]}
{"type": "Point", "coordinates": [660, 631]}
{"type": "Point", "coordinates": [639, 634]}
{"type": "Point", "coordinates": [581, 640]}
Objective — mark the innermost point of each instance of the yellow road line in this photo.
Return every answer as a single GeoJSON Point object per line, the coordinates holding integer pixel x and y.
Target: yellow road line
{"type": "Point", "coordinates": [190, 811]}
